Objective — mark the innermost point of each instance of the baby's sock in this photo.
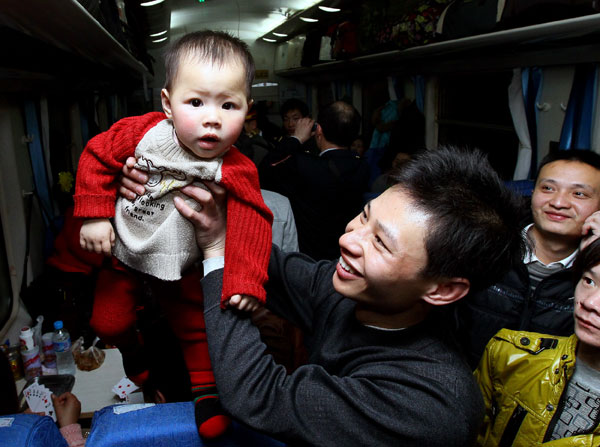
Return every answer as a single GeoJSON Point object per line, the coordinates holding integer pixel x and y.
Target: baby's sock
{"type": "Point", "coordinates": [210, 419]}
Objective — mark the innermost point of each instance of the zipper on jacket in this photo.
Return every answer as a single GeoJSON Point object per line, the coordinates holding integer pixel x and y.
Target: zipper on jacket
{"type": "Point", "coordinates": [512, 427]}
{"type": "Point", "coordinates": [528, 303]}
{"type": "Point", "coordinates": [559, 409]}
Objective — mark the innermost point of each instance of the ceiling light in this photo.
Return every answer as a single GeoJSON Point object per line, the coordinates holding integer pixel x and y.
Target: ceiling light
{"type": "Point", "coordinates": [280, 34]}
{"type": "Point", "coordinates": [265, 84]}
{"type": "Point", "coordinates": [159, 34]}
{"type": "Point", "coordinates": [269, 40]}
{"type": "Point", "coordinates": [160, 40]}
{"type": "Point", "coordinates": [151, 3]}
{"type": "Point", "coordinates": [329, 9]}
{"type": "Point", "coordinates": [308, 19]}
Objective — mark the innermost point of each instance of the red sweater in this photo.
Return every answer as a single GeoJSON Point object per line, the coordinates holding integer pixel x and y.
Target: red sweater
{"type": "Point", "coordinates": [248, 241]}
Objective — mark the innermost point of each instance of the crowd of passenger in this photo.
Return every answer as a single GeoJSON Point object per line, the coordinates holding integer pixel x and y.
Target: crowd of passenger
{"type": "Point", "coordinates": [431, 306]}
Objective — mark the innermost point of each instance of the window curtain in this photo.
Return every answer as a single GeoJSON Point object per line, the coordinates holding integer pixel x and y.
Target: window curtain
{"type": "Point", "coordinates": [523, 93]}
{"type": "Point", "coordinates": [579, 117]}
{"type": "Point", "coordinates": [38, 162]}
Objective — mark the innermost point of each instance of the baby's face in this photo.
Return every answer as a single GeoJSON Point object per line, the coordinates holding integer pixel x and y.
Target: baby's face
{"type": "Point", "coordinates": [208, 106]}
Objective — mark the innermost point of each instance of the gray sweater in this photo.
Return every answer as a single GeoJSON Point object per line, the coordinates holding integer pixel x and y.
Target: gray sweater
{"type": "Point", "coordinates": [362, 386]}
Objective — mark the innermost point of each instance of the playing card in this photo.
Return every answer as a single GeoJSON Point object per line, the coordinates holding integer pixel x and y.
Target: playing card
{"type": "Point", "coordinates": [6, 422]}
{"type": "Point", "coordinates": [124, 387]}
{"type": "Point", "coordinates": [39, 399]}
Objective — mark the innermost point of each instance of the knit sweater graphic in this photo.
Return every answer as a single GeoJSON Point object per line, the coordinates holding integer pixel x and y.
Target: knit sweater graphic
{"type": "Point", "coordinates": [152, 236]}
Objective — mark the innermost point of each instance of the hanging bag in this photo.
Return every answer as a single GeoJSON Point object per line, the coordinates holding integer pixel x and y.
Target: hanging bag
{"type": "Point", "coordinates": [464, 18]}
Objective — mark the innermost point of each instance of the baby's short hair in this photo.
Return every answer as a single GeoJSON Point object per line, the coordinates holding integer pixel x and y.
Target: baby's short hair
{"type": "Point", "coordinates": [216, 47]}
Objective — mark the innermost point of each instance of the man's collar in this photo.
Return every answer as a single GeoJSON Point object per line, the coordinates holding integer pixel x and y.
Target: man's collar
{"type": "Point", "coordinates": [530, 255]}
{"type": "Point", "coordinates": [331, 149]}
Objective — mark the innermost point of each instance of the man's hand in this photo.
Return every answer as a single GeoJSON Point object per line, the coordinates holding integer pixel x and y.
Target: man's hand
{"type": "Point", "coordinates": [243, 303]}
{"type": "Point", "coordinates": [590, 230]}
{"type": "Point", "coordinates": [97, 235]}
{"type": "Point", "coordinates": [68, 409]}
{"type": "Point", "coordinates": [132, 181]}
{"type": "Point", "coordinates": [211, 221]}
{"type": "Point", "coordinates": [303, 129]}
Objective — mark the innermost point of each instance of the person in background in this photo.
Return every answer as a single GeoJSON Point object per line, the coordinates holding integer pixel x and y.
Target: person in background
{"type": "Point", "coordinates": [383, 367]}
{"type": "Point", "coordinates": [297, 128]}
{"type": "Point", "coordinates": [382, 182]}
{"type": "Point", "coordinates": [540, 389]}
{"type": "Point", "coordinates": [537, 293]}
{"type": "Point", "coordinates": [325, 190]}
{"type": "Point", "coordinates": [292, 111]}
{"type": "Point", "coordinates": [270, 131]}
{"type": "Point", "coordinates": [251, 142]}
{"type": "Point", "coordinates": [205, 100]}
{"type": "Point", "coordinates": [66, 406]}
{"type": "Point", "coordinates": [359, 146]}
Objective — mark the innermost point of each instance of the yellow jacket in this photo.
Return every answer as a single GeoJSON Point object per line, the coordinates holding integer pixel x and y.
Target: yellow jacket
{"type": "Point", "coordinates": [522, 376]}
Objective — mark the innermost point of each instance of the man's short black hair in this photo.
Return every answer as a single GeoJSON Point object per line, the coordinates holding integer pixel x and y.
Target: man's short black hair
{"type": "Point", "coordinates": [340, 123]}
{"type": "Point", "coordinates": [474, 230]}
{"type": "Point", "coordinates": [582, 156]}
{"type": "Point", "coordinates": [294, 104]}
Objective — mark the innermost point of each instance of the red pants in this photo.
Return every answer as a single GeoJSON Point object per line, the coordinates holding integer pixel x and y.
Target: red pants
{"type": "Point", "coordinates": [117, 296]}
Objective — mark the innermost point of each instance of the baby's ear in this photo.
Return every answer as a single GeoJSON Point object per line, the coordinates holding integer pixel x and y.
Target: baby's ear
{"type": "Point", "coordinates": [166, 102]}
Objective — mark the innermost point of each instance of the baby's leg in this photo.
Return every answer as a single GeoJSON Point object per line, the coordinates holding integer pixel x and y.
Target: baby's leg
{"type": "Point", "coordinates": [114, 318]}
{"type": "Point", "coordinates": [186, 317]}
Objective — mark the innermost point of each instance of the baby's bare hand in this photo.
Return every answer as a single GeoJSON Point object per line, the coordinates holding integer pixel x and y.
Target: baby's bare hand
{"type": "Point", "coordinates": [97, 235]}
{"type": "Point", "coordinates": [244, 303]}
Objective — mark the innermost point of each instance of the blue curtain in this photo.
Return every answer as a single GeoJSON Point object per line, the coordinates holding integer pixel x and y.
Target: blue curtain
{"type": "Point", "coordinates": [531, 83]}
{"type": "Point", "coordinates": [38, 164]}
{"type": "Point", "coordinates": [577, 127]}
{"type": "Point", "coordinates": [419, 82]}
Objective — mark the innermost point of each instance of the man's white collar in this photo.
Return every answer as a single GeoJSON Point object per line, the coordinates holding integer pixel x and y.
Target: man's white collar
{"type": "Point", "coordinates": [530, 255]}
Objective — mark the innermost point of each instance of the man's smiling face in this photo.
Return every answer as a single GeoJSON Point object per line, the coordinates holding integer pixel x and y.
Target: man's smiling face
{"type": "Point", "coordinates": [565, 194]}
{"type": "Point", "coordinates": [383, 254]}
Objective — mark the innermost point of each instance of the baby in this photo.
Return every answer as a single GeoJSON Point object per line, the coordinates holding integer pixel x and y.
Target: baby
{"type": "Point", "coordinates": [205, 101]}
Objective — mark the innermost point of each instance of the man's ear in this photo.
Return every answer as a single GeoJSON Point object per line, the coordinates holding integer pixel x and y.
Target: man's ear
{"type": "Point", "coordinates": [318, 130]}
{"type": "Point", "coordinates": [166, 102]}
{"type": "Point", "coordinates": [447, 291]}
{"type": "Point", "coordinates": [250, 103]}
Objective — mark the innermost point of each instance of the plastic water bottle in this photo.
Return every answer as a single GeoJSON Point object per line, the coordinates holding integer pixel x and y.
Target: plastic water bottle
{"type": "Point", "coordinates": [62, 348]}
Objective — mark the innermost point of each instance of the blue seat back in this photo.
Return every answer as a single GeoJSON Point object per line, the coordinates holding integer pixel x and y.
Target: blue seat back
{"type": "Point", "coordinates": [163, 425]}
{"type": "Point", "coordinates": [29, 430]}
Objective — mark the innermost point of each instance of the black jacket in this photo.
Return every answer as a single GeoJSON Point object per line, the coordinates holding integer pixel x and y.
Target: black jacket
{"type": "Point", "coordinates": [511, 304]}
{"type": "Point", "coordinates": [325, 192]}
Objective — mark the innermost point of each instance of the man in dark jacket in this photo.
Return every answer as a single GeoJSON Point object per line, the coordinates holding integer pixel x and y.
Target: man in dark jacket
{"type": "Point", "coordinates": [325, 190]}
{"type": "Point", "coordinates": [537, 294]}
